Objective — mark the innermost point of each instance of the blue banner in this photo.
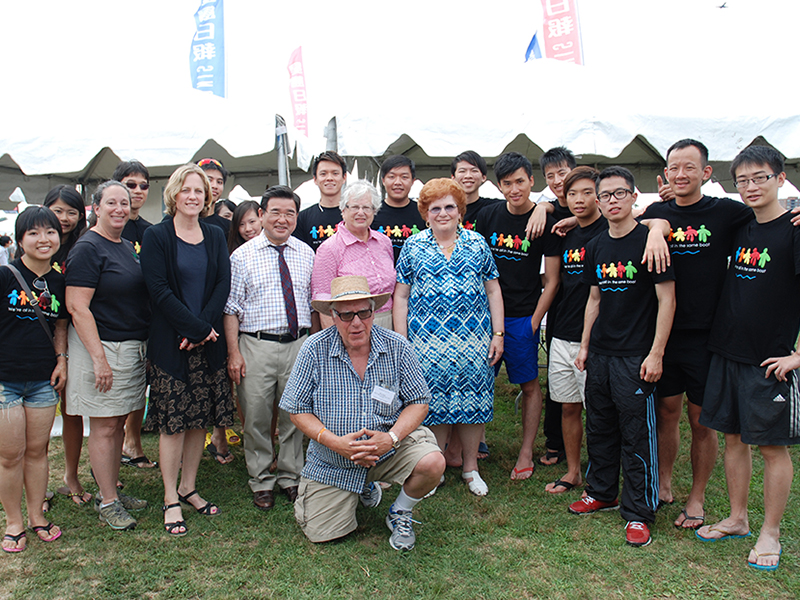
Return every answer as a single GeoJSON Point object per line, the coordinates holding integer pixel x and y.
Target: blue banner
{"type": "Point", "coordinates": [533, 48]}
{"type": "Point", "coordinates": [207, 56]}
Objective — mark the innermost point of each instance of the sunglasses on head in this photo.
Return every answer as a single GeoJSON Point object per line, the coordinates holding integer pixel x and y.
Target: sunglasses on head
{"type": "Point", "coordinates": [209, 161]}
{"type": "Point", "coordinates": [131, 185]}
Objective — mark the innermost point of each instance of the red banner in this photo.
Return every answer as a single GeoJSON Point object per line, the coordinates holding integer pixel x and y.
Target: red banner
{"type": "Point", "coordinates": [297, 90]}
{"type": "Point", "coordinates": [561, 31]}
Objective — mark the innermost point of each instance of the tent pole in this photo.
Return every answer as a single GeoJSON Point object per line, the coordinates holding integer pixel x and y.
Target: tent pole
{"type": "Point", "coordinates": [283, 159]}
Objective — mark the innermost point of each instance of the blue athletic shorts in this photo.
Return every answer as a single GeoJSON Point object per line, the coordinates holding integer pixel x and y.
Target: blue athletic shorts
{"type": "Point", "coordinates": [520, 351]}
{"type": "Point", "coordinates": [31, 394]}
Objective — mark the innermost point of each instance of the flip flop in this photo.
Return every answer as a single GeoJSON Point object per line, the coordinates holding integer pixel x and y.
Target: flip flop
{"type": "Point", "coordinates": [48, 500]}
{"type": "Point", "coordinates": [483, 449]}
{"type": "Point", "coordinates": [766, 567]}
{"type": "Point", "coordinates": [232, 437]}
{"type": "Point", "coordinates": [725, 535]}
{"type": "Point", "coordinates": [49, 537]}
{"type": "Point", "coordinates": [550, 455]}
{"type": "Point", "coordinates": [140, 462]}
{"type": "Point", "coordinates": [517, 472]}
{"type": "Point", "coordinates": [227, 458]}
{"type": "Point", "coordinates": [78, 498]}
{"type": "Point", "coordinates": [687, 517]}
{"type": "Point", "coordinates": [15, 539]}
{"type": "Point", "coordinates": [565, 484]}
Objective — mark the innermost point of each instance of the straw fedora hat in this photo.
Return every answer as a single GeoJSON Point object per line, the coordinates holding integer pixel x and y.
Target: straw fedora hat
{"type": "Point", "coordinates": [347, 289]}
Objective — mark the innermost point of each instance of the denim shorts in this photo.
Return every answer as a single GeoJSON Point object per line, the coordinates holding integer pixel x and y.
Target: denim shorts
{"type": "Point", "coordinates": [31, 394]}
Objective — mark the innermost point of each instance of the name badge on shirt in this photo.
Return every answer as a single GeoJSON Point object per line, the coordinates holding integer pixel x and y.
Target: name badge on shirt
{"type": "Point", "coordinates": [382, 395]}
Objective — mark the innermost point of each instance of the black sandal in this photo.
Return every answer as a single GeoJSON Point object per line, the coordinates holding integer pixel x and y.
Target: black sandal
{"type": "Point", "coordinates": [171, 527]}
{"type": "Point", "coordinates": [203, 510]}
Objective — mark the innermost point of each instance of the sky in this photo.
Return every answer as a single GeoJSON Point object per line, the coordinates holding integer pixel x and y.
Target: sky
{"type": "Point", "coordinates": [80, 69]}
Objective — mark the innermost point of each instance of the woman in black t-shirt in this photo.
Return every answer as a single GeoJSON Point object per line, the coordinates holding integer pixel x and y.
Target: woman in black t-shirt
{"type": "Point", "coordinates": [68, 206]}
{"type": "Point", "coordinates": [33, 370]}
{"type": "Point", "coordinates": [107, 298]}
{"type": "Point", "coordinates": [186, 267]}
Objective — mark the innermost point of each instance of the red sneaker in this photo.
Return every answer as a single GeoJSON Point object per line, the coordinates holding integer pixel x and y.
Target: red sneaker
{"type": "Point", "coordinates": [637, 533]}
{"type": "Point", "coordinates": [588, 505]}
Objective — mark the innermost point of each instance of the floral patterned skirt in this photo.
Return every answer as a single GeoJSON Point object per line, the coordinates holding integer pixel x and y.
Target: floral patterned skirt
{"type": "Point", "coordinates": [177, 406]}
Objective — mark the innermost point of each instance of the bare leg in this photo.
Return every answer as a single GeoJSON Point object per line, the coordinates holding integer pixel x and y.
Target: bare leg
{"type": "Point", "coordinates": [12, 453]}
{"type": "Point", "coordinates": [778, 473]}
{"type": "Point", "coordinates": [442, 432]}
{"type": "Point", "coordinates": [572, 431]}
{"type": "Point", "coordinates": [704, 455]}
{"type": "Point", "coordinates": [105, 449]}
{"type": "Point", "coordinates": [170, 452]}
{"type": "Point", "coordinates": [453, 449]}
{"type": "Point", "coordinates": [668, 417]}
{"type": "Point", "coordinates": [72, 436]}
{"type": "Point", "coordinates": [38, 423]}
{"type": "Point", "coordinates": [132, 446]}
{"type": "Point", "coordinates": [192, 452]}
{"type": "Point", "coordinates": [531, 415]}
{"type": "Point", "coordinates": [470, 436]}
{"type": "Point", "coordinates": [425, 476]}
{"type": "Point", "coordinates": [738, 470]}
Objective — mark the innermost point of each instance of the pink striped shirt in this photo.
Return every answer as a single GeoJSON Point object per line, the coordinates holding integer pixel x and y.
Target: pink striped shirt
{"type": "Point", "coordinates": [345, 254]}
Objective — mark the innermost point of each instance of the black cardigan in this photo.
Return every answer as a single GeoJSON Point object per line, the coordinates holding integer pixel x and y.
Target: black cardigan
{"type": "Point", "coordinates": [172, 320]}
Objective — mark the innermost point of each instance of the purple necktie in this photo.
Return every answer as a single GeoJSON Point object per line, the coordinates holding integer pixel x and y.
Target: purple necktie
{"type": "Point", "coordinates": [288, 291]}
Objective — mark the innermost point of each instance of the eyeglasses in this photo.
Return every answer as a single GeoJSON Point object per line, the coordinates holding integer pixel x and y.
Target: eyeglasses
{"type": "Point", "coordinates": [348, 316]}
{"type": "Point", "coordinates": [758, 180]}
{"type": "Point", "coordinates": [209, 161]}
{"type": "Point", "coordinates": [131, 185]}
{"type": "Point", "coordinates": [40, 285]}
{"type": "Point", "coordinates": [449, 209]}
{"type": "Point", "coordinates": [619, 194]}
{"type": "Point", "coordinates": [276, 214]}
{"type": "Point", "coordinates": [365, 209]}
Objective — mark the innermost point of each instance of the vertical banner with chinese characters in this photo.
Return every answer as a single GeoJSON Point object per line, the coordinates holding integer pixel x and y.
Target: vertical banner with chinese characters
{"type": "Point", "coordinates": [561, 31]}
{"type": "Point", "coordinates": [297, 89]}
{"type": "Point", "coordinates": [207, 58]}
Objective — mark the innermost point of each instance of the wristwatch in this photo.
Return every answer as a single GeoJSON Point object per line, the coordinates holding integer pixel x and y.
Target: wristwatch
{"type": "Point", "coordinates": [395, 439]}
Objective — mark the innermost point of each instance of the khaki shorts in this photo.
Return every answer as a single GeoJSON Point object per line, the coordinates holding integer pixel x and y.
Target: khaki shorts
{"type": "Point", "coordinates": [127, 362]}
{"type": "Point", "coordinates": [325, 512]}
{"type": "Point", "coordinates": [567, 384]}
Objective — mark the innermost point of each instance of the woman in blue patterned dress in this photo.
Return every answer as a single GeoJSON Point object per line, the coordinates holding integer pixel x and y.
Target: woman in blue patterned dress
{"type": "Point", "coordinates": [448, 303]}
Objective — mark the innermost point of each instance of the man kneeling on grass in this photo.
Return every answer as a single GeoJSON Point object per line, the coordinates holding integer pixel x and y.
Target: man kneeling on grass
{"type": "Point", "coordinates": [357, 391]}
{"type": "Point", "coordinates": [626, 325]}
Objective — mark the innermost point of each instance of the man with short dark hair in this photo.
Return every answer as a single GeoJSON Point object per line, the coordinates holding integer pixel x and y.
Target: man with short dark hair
{"type": "Point", "coordinates": [217, 178]}
{"type": "Point", "coordinates": [626, 327]}
{"type": "Point", "coordinates": [134, 176]}
{"type": "Point", "coordinates": [469, 171]}
{"type": "Point", "coordinates": [752, 390]}
{"type": "Point", "coordinates": [358, 392]}
{"type": "Point", "coordinates": [702, 231]}
{"type": "Point", "coordinates": [317, 223]}
{"type": "Point", "coordinates": [267, 319]}
{"type": "Point", "coordinates": [398, 217]}
{"type": "Point", "coordinates": [525, 302]}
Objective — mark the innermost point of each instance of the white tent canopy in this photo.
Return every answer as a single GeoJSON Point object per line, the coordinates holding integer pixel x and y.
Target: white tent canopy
{"type": "Point", "coordinates": [93, 82]}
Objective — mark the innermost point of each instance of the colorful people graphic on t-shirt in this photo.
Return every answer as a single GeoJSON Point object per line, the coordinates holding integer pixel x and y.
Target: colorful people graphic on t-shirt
{"type": "Point", "coordinates": [702, 234]}
{"type": "Point", "coordinates": [630, 270]}
{"type": "Point", "coordinates": [691, 233]}
{"type": "Point", "coordinates": [764, 259]}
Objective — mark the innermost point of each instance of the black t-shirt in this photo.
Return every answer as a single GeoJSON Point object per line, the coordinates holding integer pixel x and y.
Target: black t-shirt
{"type": "Point", "coordinates": [26, 353]}
{"type": "Point", "coordinates": [473, 209]}
{"type": "Point", "coordinates": [626, 324]}
{"type": "Point", "coordinates": [567, 323]}
{"type": "Point", "coordinates": [398, 224]}
{"type": "Point", "coordinates": [316, 224]}
{"type": "Point", "coordinates": [221, 222]}
{"type": "Point", "coordinates": [700, 243]}
{"type": "Point", "coordinates": [518, 259]}
{"type": "Point", "coordinates": [120, 305]}
{"type": "Point", "coordinates": [759, 312]}
{"type": "Point", "coordinates": [134, 232]}
{"type": "Point", "coordinates": [560, 212]}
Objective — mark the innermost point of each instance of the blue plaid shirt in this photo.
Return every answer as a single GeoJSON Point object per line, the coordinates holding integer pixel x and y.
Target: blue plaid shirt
{"type": "Point", "coordinates": [324, 383]}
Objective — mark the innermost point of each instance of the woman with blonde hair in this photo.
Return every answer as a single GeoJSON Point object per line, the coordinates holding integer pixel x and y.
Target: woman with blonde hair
{"type": "Point", "coordinates": [186, 267]}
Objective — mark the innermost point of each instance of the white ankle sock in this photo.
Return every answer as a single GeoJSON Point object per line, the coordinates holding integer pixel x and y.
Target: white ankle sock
{"type": "Point", "coordinates": [405, 502]}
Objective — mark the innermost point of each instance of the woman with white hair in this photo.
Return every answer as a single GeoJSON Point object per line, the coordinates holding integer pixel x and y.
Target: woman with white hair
{"type": "Point", "coordinates": [355, 249]}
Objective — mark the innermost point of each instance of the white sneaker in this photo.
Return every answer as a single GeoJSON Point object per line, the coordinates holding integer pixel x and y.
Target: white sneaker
{"type": "Point", "coordinates": [400, 524]}
{"type": "Point", "coordinates": [371, 496]}
{"type": "Point", "coordinates": [477, 486]}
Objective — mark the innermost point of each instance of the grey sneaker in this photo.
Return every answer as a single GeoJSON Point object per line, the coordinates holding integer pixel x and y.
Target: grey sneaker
{"type": "Point", "coordinates": [371, 496]}
{"type": "Point", "coordinates": [400, 524]}
{"type": "Point", "coordinates": [116, 516]}
{"type": "Point", "coordinates": [131, 503]}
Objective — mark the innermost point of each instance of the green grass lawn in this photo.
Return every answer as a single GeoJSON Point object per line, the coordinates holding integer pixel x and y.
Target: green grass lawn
{"type": "Point", "coordinates": [518, 542]}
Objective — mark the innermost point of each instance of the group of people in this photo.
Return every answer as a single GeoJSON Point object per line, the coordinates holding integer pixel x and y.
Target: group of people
{"type": "Point", "coordinates": [375, 326]}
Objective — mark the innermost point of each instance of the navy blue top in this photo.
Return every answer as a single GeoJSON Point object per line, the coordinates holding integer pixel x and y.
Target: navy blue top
{"type": "Point", "coordinates": [192, 266]}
